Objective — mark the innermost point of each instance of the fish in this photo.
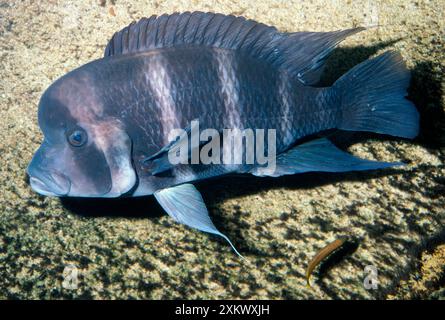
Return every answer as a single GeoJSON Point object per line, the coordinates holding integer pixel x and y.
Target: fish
{"type": "Point", "coordinates": [322, 254]}
{"type": "Point", "coordinates": [107, 125]}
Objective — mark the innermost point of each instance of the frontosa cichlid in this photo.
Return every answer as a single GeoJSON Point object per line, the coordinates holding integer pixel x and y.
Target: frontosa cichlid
{"type": "Point", "coordinates": [111, 127]}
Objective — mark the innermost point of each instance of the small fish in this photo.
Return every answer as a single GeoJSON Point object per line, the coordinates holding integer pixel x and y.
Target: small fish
{"type": "Point", "coordinates": [106, 124]}
{"type": "Point", "coordinates": [323, 253]}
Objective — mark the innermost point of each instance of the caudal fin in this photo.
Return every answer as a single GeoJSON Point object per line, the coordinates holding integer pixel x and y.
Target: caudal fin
{"type": "Point", "coordinates": [373, 98]}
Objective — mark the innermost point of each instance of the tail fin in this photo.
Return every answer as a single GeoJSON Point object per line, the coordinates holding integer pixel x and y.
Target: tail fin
{"type": "Point", "coordinates": [373, 98]}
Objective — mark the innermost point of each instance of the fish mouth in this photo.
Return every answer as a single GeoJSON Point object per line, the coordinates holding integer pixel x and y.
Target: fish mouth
{"type": "Point", "coordinates": [50, 184]}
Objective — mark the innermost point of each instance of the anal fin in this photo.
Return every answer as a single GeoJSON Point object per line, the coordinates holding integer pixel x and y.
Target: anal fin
{"type": "Point", "coordinates": [319, 155]}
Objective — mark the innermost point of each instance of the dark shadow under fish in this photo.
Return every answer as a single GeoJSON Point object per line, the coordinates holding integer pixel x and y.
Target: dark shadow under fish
{"type": "Point", "coordinates": [107, 124]}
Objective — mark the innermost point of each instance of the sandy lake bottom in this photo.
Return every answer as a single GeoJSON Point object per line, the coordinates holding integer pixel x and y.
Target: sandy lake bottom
{"type": "Point", "coordinates": [129, 248]}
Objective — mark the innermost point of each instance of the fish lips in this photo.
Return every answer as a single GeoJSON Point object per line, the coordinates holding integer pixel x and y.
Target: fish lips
{"type": "Point", "coordinates": [50, 184]}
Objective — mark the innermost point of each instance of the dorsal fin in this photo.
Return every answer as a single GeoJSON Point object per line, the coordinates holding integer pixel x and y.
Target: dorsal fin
{"type": "Point", "coordinates": [301, 54]}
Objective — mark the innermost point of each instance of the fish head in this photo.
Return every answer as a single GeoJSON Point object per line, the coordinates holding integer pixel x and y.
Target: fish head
{"type": "Point", "coordinates": [85, 152]}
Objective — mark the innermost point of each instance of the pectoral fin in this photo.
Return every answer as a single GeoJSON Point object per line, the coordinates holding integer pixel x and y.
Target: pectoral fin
{"type": "Point", "coordinates": [185, 205]}
{"type": "Point", "coordinates": [319, 155]}
{"type": "Point", "coordinates": [158, 162]}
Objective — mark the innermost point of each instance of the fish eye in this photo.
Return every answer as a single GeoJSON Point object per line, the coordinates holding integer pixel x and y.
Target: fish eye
{"type": "Point", "coordinates": [77, 137]}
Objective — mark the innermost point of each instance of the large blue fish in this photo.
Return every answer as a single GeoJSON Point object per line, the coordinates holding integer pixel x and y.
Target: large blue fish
{"type": "Point", "coordinates": [106, 125]}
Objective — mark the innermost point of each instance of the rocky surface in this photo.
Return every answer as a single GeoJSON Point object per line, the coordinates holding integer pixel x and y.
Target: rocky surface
{"type": "Point", "coordinates": [131, 249]}
{"type": "Point", "coordinates": [427, 281]}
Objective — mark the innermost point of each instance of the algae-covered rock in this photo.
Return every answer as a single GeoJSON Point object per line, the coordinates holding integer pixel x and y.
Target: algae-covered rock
{"type": "Point", "coordinates": [131, 249]}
